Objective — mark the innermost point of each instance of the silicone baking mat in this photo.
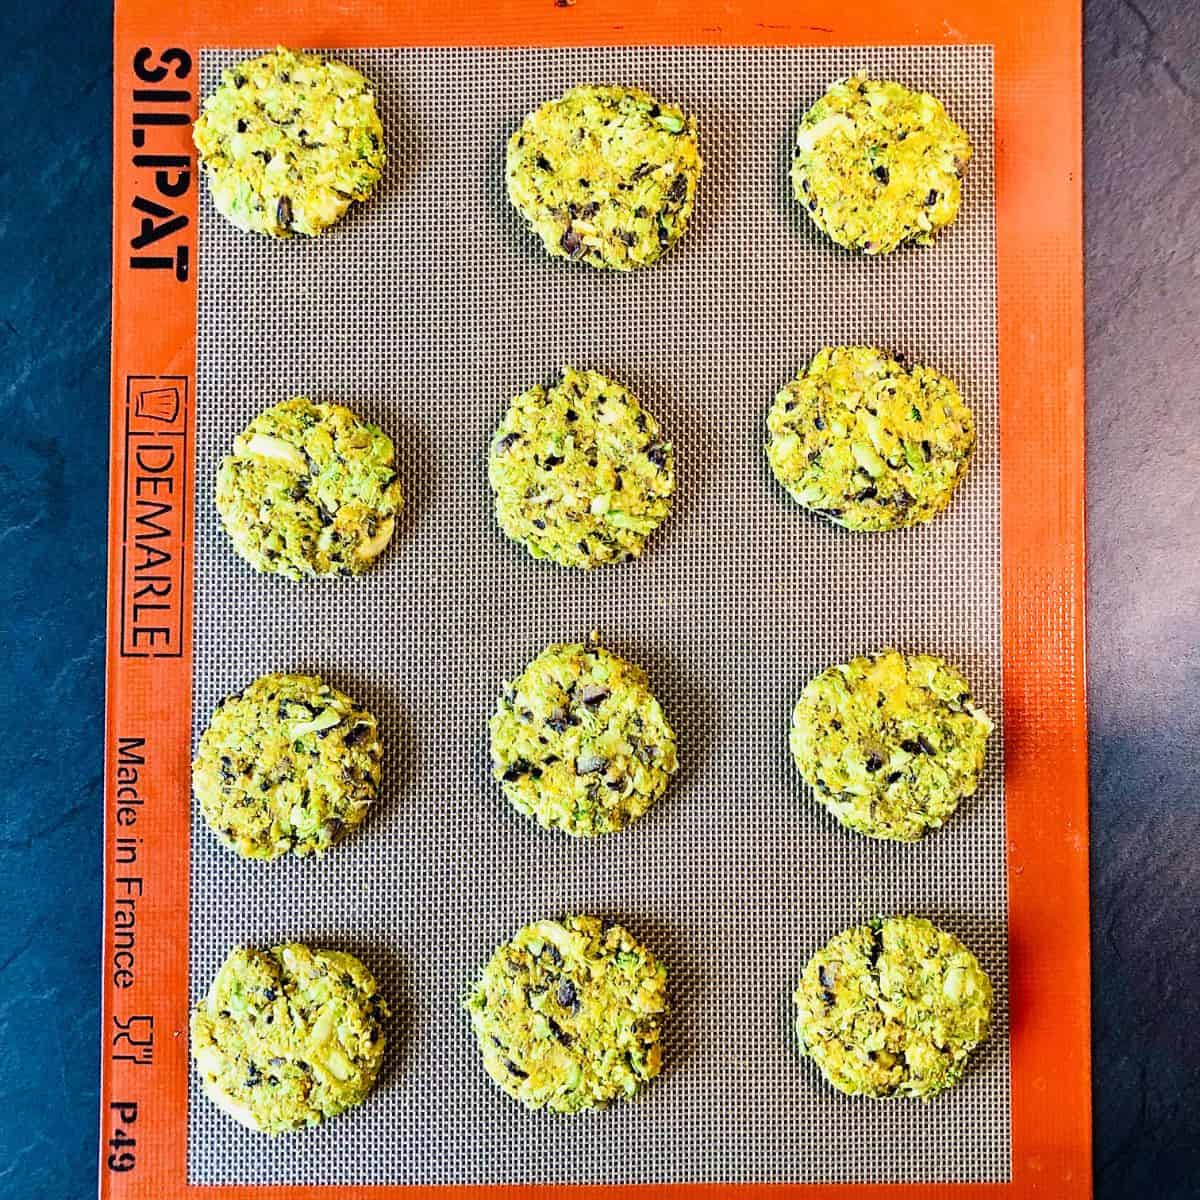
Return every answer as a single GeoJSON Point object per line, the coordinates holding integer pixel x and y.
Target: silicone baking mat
{"type": "Point", "coordinates": [426, 310]}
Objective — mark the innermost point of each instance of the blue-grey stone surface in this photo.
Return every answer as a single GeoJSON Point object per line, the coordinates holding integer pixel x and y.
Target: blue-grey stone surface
{"type": "Point", "coordinates": [1143, 262]}
{"type": "Point", "coordinates": [55, 155]}
{"type": "Point", "coordinates": [1142, 181]}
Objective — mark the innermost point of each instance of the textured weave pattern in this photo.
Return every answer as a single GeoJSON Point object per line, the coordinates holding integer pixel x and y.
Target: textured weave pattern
{"type": "Point", "coordinates": [426, 309]}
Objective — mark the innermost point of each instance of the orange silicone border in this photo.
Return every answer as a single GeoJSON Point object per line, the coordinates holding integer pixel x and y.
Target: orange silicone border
{"type": "Point", "coordinates": [1038, 117]}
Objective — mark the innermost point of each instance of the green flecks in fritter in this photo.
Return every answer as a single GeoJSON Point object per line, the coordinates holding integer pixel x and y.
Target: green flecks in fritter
{"type": "Point", "coordinates": [568, 1014]}
{"type": "Point", "coordinates": [868, 442]}
{"type": "Point", "coordinates": [288, 765]}
{"type": "Point", "coordinates": [289, 140]}
{"type": "Point", "coordinates": [876, 165]}
{"type": "Point", "coordinates": [289, 1036]}
{"type": "Point", "coordinates": [890, 743]}
{"type": "Point", "coordinates": [605, 175]}
{"type": "Point", "coordinates": [580, 471]}
{"type": "Point", "coordinates": [579, 743]}
{"type": "Point", "coordinates": [309, 490]}
{"type": "Point", "coordinates": [893, 1008]}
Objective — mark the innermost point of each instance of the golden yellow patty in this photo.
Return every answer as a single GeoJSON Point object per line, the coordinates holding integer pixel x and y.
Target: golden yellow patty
{"type": "Point", "coordinates": [579, 742]}
{"type": "Point", "coordinates": [289, 140]}
{"type": "Point", "coordinates": [581, 472]}
{"type": "Point", "coordinates": [890, 742]}
{"type": "Point", "coordinates": [868, 442]}
{"type": "Point", "coordinates": [605, 175]}
{"type": "Point", "coordinates": [893, 1008]}
{"type": "Point", "coordinates": [289, 764]}
{"type": "Point", "coordinates": [310, 489]}
{"type": "Point", "coordinates": [289, 1036]}
{"type": "Point", "coordinates": [568, 1014]}
{"type": "Point", "coordinates": [877, 165]}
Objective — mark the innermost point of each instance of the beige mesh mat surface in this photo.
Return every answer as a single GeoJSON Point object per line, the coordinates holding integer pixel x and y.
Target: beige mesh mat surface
{"type": "Point", "coordinates": [426, 310]}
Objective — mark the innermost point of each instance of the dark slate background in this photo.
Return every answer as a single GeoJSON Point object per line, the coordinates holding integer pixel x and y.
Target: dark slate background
{"type": "Point", "coordinates": [1142, 65]}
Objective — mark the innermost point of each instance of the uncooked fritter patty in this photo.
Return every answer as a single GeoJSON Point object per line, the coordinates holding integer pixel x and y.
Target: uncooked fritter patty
{"type": "Point", "coordinates": [877, 165]}
{"type": "Point", "coordinates": [890, 743]}
{"type": "Point", "coordinates": [289, 1036]}
{"type": "Point", "coordinates": [289, 764]}
{"type": "Point", "coordinates": [605, 175]}
{"type": "Point", "coordinates": [579, 743]}
{"type": "Point", "coordinates": [310, 489]}
{"type": "Point", "coordinates": [289, 140]}
{"type": "Point", "coordinates": [868, 442]}
{"type": "Point", "coordinates": [580, 471]}
{"type": "Point", "coordinates": [568, 1014]}
{"type": "Point", "coordinates": [893, 1008]}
